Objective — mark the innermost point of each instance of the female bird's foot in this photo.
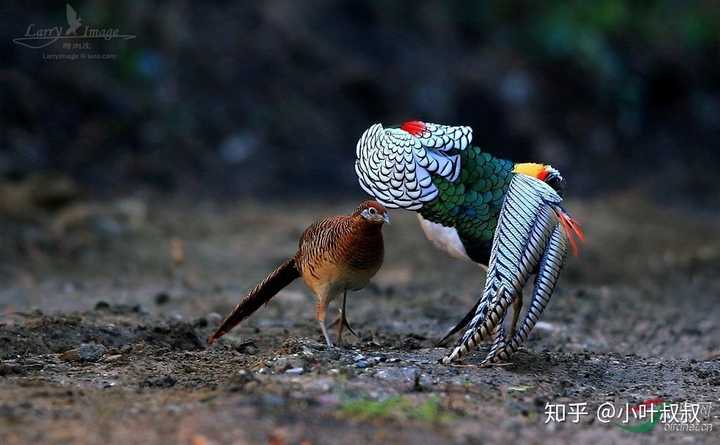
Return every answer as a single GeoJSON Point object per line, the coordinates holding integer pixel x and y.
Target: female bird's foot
{"type": "Point", "coordinates": [343, 323]}
{"type": "Point", "coordinates": [325, 333]}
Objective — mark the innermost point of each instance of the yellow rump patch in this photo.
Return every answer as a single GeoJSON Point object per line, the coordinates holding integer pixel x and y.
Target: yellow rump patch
{"type": "Point", "coordinates": [531, 169]}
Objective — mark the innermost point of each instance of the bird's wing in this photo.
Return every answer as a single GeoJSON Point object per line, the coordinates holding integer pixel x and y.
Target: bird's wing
{"type": "Point", "coordinates": [527, 220]}
{"type": "Point", "coordinates": [71, 15]}
{"type": "Point", "coordinates": [394, 164]}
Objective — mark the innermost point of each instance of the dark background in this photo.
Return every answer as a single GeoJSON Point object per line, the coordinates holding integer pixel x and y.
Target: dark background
{"type": "Point", "coordinates": [267, 99]}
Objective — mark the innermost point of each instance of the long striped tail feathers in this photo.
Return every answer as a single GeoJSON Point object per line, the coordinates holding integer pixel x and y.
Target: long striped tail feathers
{"type": "Point", "coordinates": [530, 237]}
{"type": "Point", "coordinates": [285, 274]}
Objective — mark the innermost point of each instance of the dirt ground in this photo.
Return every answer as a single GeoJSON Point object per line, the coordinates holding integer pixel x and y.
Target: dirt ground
{"type": "Point", "coordinates": [103, 325]}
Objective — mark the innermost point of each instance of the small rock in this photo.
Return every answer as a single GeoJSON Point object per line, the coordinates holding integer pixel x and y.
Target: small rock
{"type": "Point", "coordinates": [247, 347]}
{"type": "Point", "coordinates": [280, 364]}
{"type": "Point", "coordinates": [162, 298]}
{"type": "Point", "coordinates": [295, 371]}
{"type": "Point", "coordinates": [362, 364]}
{"type": "Point", "coordinates": [307, 352]}
{"type": "Point", "coordinates": [296, 362]}
{"type": "Point", "coordinates": [173, 408]}
{"type": "Point", "coordinates": [11, 369]}
{"type": "Point", "coordinates": [333, 355]}
{"type": "Point", "coordinates": [163, 381]}
{"type": "Point", "coordinates": [407, 374]}
{"type": "Point", "coordinates": [214, 319]}
{"type": "Point", "coordinates": [375, 360]}
{"type": "Point", "coordinates": [545, 326]}
{"type": "Point", "coordinates": [240, 380]}
{"type": "Point", "coordinates": [87, 352]}
{"type": "Point", "coordinates": [200, 322]}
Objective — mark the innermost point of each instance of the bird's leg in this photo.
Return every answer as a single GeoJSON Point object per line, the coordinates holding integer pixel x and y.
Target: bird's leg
{"type": "Point", "coordinates": [517, 307]}
{"type": "Point", "coordinates": [343, 316]}
{"type": "Point", "coordinates": [342, 320]}
{"type": "Point", "coordinates": [341, 323]}
{"type": "Point", "coordinates": [320, 310]}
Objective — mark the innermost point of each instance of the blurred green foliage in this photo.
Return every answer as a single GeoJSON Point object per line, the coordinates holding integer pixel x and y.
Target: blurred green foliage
{"type": "Point", "coordinates": [396, 408]}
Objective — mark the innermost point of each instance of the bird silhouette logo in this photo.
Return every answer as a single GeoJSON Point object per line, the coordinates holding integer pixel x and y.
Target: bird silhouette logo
{"type": "Point", "coordinates": [74, 21]}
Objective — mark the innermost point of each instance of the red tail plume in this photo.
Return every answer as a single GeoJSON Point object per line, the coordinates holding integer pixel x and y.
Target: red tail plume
{"type": "Point", "coordinates": [572, 231]}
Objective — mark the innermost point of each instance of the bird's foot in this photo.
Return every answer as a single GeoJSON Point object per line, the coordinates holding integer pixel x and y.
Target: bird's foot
{"type": "Point", "coordinates": [328, 342]}
{"type": "Point", "coordinates": [346, 324]}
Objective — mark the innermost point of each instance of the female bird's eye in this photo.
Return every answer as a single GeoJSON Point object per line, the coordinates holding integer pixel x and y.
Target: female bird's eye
{"type": "Point", "coordinates": [372, 211]}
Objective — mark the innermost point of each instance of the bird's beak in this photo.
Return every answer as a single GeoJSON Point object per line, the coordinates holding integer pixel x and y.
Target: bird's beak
{"type": "Point", "coordinates": [387, 218]}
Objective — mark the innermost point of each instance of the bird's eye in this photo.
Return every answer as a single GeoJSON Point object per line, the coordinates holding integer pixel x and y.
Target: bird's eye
{"type": "Point", "coordinates": [372, 211]}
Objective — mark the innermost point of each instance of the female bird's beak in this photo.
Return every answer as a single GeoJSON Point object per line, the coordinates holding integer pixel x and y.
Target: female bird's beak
{"type": "Point", "coordinates": [387, 218]}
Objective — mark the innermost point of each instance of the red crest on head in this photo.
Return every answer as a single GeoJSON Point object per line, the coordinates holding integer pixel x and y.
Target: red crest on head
{"type": "Point", "coordinates": [415, 128]}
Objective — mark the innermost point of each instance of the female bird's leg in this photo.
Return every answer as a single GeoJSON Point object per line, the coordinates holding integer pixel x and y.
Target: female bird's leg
{"type": "Point", "coordinates": [320, 310]}
{"type": "Point", "coordinates": [343, 316]}
{"type": "Point", "coordinates": [342, 321]}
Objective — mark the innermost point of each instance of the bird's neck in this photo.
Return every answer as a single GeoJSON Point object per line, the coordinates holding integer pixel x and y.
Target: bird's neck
{"type": "Point", "coordinates": [364, 228]}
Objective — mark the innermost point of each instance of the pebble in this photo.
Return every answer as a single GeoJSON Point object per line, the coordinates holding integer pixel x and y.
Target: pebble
{"type": "Point", "coordinates": [406, 374]}
{"type": "Point", "coordinates": [86, 352]}
{"type": "Point", "coordinates": [307, 352]}
{"type": "Point", "coordinates": [281, 364]}
{"type": "Point", "coordinates": [214, 318]}
{"type": "Point", "coordinates": [295, 371]}
{"type": "Point", "coordinates": [545, 326]}
{"type": "Point", "coordinates": [162, 298]}
{"type": "Point", "coordinates": [162, 381]}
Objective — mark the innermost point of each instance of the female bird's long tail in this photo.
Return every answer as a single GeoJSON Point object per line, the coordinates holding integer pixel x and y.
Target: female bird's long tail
{"type": "Point", "coordinates": [263, 292]}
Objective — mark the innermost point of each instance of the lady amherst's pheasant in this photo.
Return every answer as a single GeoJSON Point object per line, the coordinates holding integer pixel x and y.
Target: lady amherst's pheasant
{"type": "Point", "coordinates": [335, 254]}
{"type": "Point", "coordinates": [477, 207]}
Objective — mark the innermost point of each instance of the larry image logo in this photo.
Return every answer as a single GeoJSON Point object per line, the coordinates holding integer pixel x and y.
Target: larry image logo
{"type": "Point", "coordinates": [76, 41]}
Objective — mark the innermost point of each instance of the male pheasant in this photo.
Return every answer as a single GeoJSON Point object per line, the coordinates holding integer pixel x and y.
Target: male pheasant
{"type": "Point", "coordinates": [480, 208]}
{"type": "Point", "coordinates": [335, 254]}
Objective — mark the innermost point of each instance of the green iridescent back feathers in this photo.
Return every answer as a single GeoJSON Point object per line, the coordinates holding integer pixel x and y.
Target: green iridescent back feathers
{"type": "Point", "coordinates": [472, 203]}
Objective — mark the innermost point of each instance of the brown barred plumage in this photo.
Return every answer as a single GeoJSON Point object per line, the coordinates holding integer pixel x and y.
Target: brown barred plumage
{"type": "Point", "coordinates": [335, 254]}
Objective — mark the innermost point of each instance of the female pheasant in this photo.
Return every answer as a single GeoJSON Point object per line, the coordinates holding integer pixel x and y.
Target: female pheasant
{"type": "Point", "coordinates": [476, 207]}
{"type": "Point", "coordinates": [334, 255]}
